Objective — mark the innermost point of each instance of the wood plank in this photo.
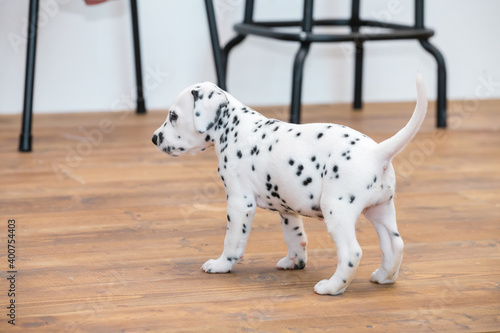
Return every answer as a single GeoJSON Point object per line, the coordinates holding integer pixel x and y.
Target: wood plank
{"type": "Point", "coordinates": [111, 233]}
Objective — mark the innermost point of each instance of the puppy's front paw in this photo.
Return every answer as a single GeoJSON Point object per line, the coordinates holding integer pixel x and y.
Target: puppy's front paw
{"type": "Point", "coordinates": [287, 263]}
{"type": "Point", "coordinates": [217, 266]}
{"type": "Point", "coordinates": [329, 287]}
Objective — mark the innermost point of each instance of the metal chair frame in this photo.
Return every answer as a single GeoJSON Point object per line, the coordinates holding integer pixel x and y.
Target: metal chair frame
{"type": "Point", "coordinates": [25, 141]}
{"type": "Point", "coordinates": [306, 37]}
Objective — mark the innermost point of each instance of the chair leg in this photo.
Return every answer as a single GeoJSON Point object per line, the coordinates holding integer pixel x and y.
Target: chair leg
{"type": "Point", "coordinates": [219, 58]}
{"type": "Point", "coordinates": [25, 142]}
{"type": "Point", "coordinates": [441, 66]}
{"type": "Point", "coordinates": [441, 86]}
{"type": "Point", "coordinates": [358, 77]}
{"type": "Point", "coordinates": [298, 65]}
{"type": "Point", "coordinates": [358, 65]}
{"type": "Point", "coordinates": [225, 53]}
{"type": "Point", "coordinates": [141, 105]}
{"type": "Point", "coordinates": [221, 55]}
{"type": "Point", "coordinates": [298, 70]}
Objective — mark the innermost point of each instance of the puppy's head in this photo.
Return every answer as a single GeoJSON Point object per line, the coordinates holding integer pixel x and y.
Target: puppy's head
{"type": "Point", "coordinates": [194, 112]}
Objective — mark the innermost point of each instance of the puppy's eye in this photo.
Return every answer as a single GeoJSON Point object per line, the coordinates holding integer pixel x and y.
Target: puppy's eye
{"type": "Point", "coordinates": [173, 117]}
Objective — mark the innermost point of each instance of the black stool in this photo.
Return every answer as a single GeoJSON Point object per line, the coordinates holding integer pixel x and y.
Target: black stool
{"type": "Point", "coordinates": [26, 137]}
{"type": "Point", "coordinates": [307, 36]}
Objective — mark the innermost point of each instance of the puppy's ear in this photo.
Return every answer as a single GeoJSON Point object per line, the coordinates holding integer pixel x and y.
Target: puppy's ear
{"type": "Point", "coordinates": [209, 103]}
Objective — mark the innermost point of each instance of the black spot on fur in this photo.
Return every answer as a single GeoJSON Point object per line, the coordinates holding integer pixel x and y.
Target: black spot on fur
{"type": "Point", "coordinates": [239, 154]}
{"type": "Point", "coordinates": [299, 169]}
{"type": "Point", "coordinates": [320, 135]}
{"type": "Point", "coordinates": [396, 234]}
{"type": "Point", "coordinates": [307, 181]}
{"type": "Point", "coordinates": [350, 264]}
{"type": "Point", "coordinates": [291, 162]}
{"type": "Point", "coordinates": [352, 197]}
{"type": "Point", "coordinates": [300, 265]}
{"type": "Point", "coordinates": [196, 94]}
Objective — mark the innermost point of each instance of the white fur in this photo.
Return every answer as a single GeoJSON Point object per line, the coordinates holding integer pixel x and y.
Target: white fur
{"type": "Point", "coordinates": [326, 171]}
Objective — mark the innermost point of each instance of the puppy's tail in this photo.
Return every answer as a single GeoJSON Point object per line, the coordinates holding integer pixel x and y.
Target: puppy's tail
{"type": "Point", "coordinates": [389, 148]}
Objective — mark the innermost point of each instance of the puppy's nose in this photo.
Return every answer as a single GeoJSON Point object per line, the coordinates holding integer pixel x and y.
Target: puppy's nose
{"type": "Point", "coordinates": [155, 139]}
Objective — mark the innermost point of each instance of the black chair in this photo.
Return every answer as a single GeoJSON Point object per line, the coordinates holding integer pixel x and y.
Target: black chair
{"type": "Point", "coordinates": [25, 142]}
{"type": "Point", "coordinates": [306, 37]}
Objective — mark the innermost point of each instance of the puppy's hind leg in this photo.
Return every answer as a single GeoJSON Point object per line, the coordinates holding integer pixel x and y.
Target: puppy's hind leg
{"type": "Point", "coordinates": [383, 217]}
{"type": "Point", "coordinates": [341, 222]}
{"type": "Point", "coordinates": [296, 241]}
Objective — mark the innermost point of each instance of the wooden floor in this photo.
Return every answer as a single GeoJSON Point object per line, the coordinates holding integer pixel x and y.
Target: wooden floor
{"type": "Point", "coordinates": [111, 233]}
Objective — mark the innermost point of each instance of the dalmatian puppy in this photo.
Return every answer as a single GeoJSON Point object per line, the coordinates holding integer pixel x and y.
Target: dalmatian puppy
{"type": "Point", "coordinates": [326, 171]}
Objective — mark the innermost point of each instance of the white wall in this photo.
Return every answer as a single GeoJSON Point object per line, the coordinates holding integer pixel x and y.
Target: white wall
{"type": "Point", "coordinates": [85, 60]}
